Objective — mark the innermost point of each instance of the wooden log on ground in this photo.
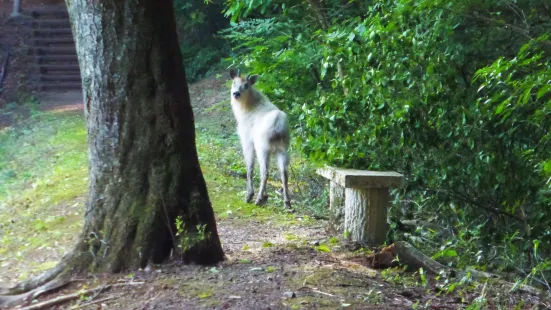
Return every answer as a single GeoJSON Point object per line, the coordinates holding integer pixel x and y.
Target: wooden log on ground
{"type": "Point", "coordinates": [402, 253]}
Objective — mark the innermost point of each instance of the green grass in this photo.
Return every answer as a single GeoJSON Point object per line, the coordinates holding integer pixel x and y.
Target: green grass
{"type": "Point", "coordinates": [43, 177]}
{"type": "Point", "coordinates": [48, 152]}
{"type": "Point", "coordinates": [44, 181]}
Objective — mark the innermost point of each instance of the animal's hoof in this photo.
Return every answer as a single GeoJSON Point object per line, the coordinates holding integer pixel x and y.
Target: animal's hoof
{"type": "Point", "coordinates": [261, 200]}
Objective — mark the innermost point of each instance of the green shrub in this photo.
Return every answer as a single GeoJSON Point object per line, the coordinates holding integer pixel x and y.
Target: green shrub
{"type": "Point", "coordinates": [390, 85]}
{"type": "Point", "coordinates": [202, 49]}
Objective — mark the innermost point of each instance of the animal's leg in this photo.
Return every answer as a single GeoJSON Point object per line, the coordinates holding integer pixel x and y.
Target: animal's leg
{"type": "Point", "coordinates": [263, 156]}
{"type": "Point", "coordinates": [283, 163]}
{"type": "Point", "coordinates": [248, 153]}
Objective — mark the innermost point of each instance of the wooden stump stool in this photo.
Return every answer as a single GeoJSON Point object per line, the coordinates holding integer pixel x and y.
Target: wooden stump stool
{"type": "Point", "coordinates": [362, 199]}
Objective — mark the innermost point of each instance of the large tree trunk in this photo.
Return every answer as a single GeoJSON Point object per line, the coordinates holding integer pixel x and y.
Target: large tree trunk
{"type": "Point", "coordinates": [144, 170]}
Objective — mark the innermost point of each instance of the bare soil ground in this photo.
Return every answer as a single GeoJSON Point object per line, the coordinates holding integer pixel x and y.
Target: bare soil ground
{"type": "Point", "coordinates": [274, 260]}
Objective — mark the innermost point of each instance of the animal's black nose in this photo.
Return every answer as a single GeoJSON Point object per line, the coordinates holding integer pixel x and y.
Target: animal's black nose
{"type": "Point", "coordinates": [236, 94]}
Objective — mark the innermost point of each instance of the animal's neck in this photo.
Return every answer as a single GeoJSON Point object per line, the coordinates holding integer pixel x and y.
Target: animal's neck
{"type": "Point", "coordinates": [253, 99]}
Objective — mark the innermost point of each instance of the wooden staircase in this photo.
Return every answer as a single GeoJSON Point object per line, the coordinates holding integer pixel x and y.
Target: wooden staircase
{"type": "Point", "coordinates": [52, 50]}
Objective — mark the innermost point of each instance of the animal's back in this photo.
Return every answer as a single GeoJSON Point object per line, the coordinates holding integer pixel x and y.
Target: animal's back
{"type": "Point", "coordinates": [272, 128]}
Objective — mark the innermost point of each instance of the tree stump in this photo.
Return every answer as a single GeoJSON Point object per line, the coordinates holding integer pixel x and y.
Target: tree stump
{"type": "Point", "coordinates": [359, 201]}
{"type": "Point", "coordinates": [336, 207]}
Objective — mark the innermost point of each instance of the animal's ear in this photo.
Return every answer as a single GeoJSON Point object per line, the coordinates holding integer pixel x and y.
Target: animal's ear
{"type": "Point", "coordinates": [252, 79]}
{"type": "Point", "coordinates": [233, 74]}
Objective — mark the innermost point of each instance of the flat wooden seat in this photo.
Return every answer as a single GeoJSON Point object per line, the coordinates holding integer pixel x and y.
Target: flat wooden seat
{"type": "Point", "coordinates": [349, 178]}
{"type": "Point", "coordinates": [359, 201]}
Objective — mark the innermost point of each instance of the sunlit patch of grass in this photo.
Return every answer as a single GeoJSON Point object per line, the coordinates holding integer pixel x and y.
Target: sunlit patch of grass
{"type": "Point", "coordinates": [43, 177]}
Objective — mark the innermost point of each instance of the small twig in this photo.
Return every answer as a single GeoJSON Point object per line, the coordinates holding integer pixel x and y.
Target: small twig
{"type": "Point", "coordinates": [323, 293]}
{"type": "Point", "coordinates": [306, 279]}
{"type": "Point", "coordinates": [96, 302]}
{"type": "Point", "coordinates": [148, 301]}
{"type": "Point", "coordinates": [98, 292]}
{"type": "Point", "coordinates": [309, 289]}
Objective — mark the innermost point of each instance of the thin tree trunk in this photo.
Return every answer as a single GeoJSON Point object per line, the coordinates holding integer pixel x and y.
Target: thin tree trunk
{"type": "Point", "coordinates": [144, 170]}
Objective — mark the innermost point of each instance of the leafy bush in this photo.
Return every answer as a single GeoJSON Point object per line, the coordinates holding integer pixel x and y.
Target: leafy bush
{"type": "Point", "coordinates": [455, 95]}
{"type": "Point", "coordinates": [202, 50]}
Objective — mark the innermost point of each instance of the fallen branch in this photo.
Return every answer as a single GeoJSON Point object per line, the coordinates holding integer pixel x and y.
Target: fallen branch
{"type": "Point", "coordinates": [322, 293]}
{"type": "Point", "coordinates": [69, 297]}
{"type": "Point", "coordinates": [97, 301]}
{"type": "Point", "coordinates": [410, 256]}
{"type": "Point", "coordinates": [403, 253]}
{"type": "Point", "coordinates": [12, 300]}
{"type": "Point", "coordinates": [34, 283]}
{"type": "Point", "coordinates": [307, 289]}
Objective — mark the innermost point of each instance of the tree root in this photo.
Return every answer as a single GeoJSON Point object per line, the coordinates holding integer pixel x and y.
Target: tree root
{"type": "Point", "coordinates": [34, 282]}
{"type": "Point", "coordinates": [24, 293]}
{"type": "Point", "coordinates": [12, 300]}
{"type": "Point", "coordinates": [64, 298]}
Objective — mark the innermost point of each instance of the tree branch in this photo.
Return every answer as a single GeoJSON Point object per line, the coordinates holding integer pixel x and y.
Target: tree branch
{"type": "Point", "coordinates": [474, 203]}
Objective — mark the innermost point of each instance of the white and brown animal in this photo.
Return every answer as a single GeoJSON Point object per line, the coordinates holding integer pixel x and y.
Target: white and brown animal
{"type": "Point", "coordinates": [263, 129]}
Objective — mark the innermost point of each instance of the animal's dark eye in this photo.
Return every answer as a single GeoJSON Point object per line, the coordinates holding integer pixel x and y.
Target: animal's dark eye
{"type": "Point", "coordinates": [246, 86]}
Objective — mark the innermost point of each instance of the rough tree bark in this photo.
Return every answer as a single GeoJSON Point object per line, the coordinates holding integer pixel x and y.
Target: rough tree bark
{"type": "Point", "coordinates": [144, 170]}
{"type": "Point", "coordinates": [366, 214]}
{"type": "Point", "coordinates": [336, 207]}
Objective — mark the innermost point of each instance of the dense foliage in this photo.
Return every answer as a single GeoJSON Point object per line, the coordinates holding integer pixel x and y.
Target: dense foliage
{"type": "Point", "coordinates": [454, 94]}
{"type": "Point", "coordinates": [198, 24]}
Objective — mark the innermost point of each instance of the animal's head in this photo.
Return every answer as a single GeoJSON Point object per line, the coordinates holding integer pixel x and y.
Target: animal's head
{"type": "Point", "coordinates": [241, 87]}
